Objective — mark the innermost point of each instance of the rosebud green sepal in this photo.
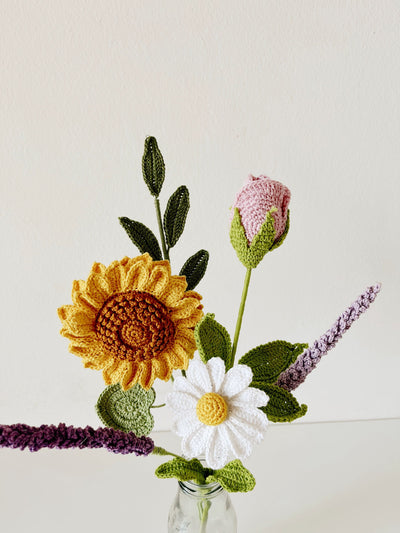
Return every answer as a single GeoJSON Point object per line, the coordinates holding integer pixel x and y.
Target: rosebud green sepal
{"type": "Point", "coordinates": [252, 254]}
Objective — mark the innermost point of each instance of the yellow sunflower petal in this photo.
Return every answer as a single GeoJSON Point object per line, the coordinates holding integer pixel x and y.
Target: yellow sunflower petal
{"type": "Point", "coordinates": [70, 314]}
{"type": "Point", "coordinates": [178, 357]}
{"type": "Point", "coordinates": [131, 376]}
{"type": "Point", "coordinates": [80, 298]}
{"type": "Point", "coordinates": [193, 294]}
{"type": "Point", "coordinates": [138, 274]}
{"type": "Point", "coordinates": [97, 289]}
{"type": "Point", "coordinates": [114, 372]}
{"type": "Point", "coordinates": [115, 275]}
{"type": "Point", "coordinates": [185, 337]}
{"type": "Point", "coordinates": [192, 320]}
{"type": "Point", "coordinates": [98, 268]}
{"type": "Point", "coordinates": [147, 375]}
{"type": "Point", "coordinates": [184, 309]}
{"type": "Point", "coordinates": [91, 359]}
{"type": "Point", "coordinates": [159, 278]}
{"type": "Point", "coordinates": [174, 291]}
{"type": "Point", "coordinates": [162, 368]}
{"type": "Point", "coordinates": [65, 332]}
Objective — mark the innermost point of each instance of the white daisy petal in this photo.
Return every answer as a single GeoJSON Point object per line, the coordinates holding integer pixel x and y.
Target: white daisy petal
{"type": "Point", "coordinates": [251, 396]}
{"type": "Point", "coordinates": [236, 379]}
{"type": "Point", "coordinates": [186, 424]}
{"type": "Point", "coordinates": [217, 448]}
{"type": "Point", "coordinates": [194, 443]}
{"type": "Point", "coordinates": [182, 384]}
{"type": "Point", "coordinates": [216, 370]}
{"type": "Point", "coordinates": [181, 401]}
{"type": "Point", "coordinates": [251, 430]}
{"type": "Point", "coordinates": [197, 374]}
{"type": "Point", "coordinates": [252, 417]}
{"type": "Point", "coordinates": [241, 446]}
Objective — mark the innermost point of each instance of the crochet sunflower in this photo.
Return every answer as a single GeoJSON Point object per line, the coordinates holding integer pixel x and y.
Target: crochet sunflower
{"type": "Point", "coordinates": [133, 320]}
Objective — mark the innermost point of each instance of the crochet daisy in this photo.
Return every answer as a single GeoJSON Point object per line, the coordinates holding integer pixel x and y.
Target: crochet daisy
{"type": "Point", "coordinates": [216, 412]}
{"type": "Point", "coordinates": [133, 320]}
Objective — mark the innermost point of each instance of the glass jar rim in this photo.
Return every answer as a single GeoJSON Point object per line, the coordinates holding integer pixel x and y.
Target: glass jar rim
{"type": "Point", "coordinates": [200, 490]}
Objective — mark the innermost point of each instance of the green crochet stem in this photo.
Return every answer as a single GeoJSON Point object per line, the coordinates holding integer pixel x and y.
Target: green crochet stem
{"type": "Point", "coordinates": [160, 227]}
{"type": "Point", "coordinates": [203, 507]}
{"type": "Point", "coordinates": [239, 318]}
{"type": "Point", "coordinates": [157, 406]}
{"type": "Point", "coordinates": [157, 450]}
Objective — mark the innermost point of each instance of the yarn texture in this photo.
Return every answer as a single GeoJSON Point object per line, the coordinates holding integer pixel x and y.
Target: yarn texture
{"type": "Point", "coordinates": [256, 198]}
{"type": "Point", "coordinates": [308, 360]}
{"type": "Point", "coordinates": [133, 320]}
{"type": "Point", "coordinates": [64, 437]}
{"type": "Point", "coordinates": [220, 430]}
{"type": "Point", "coordinates": [127, 410]}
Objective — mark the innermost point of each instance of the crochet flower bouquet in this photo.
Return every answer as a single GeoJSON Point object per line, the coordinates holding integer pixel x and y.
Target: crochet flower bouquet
{"type": "Point", "coordinates": [137, 322]}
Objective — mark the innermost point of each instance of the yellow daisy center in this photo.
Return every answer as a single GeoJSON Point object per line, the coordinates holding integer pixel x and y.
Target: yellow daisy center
{"type": "Point", "coordinates": [211, 409]}
{"type": "Point", "coordinates": [134, 326]}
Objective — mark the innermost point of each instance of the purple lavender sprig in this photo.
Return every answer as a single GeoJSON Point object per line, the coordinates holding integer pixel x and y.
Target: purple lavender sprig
{"type": "Point", "coordinates": [308, 360]}
{"type": "Point", "coordinates": [34, 438]}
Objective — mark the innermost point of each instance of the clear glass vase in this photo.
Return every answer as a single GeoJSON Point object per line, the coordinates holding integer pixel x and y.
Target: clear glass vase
{"type": "Point", "coordinates": [201, 509]}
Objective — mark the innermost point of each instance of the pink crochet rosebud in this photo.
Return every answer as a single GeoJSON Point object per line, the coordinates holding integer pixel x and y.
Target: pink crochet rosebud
{"type": "Point", "coordinates": [255, 200]}
{"type": "Point", "coordinates": [259, 219]}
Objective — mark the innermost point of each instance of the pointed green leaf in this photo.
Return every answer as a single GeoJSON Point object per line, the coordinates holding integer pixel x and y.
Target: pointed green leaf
{"type": "Point", "coordinates": [175, 215]}
{"type": "Point", "coordinates": [212, 339]}
{"type": "Point", "coordinates": [195, 268]}
{"type": "Point", "coordinates": [282, 405]}
{"type": "Point", "coordinates": [127, 410]}
{"type": "Point", "coordinates": [142, 237]}
{"type": "Point", "coordinates": [233, 477]}
{"type": "Point", "coordinates": [183, 470]}
{"type": "Point", "coordinates": [269, 360]}
{"type": "Point", "coordinates": [153, 166]}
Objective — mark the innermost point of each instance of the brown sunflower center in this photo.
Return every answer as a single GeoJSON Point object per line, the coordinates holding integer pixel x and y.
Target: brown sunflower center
{"type": "Point", "coordinates": [134, 326]}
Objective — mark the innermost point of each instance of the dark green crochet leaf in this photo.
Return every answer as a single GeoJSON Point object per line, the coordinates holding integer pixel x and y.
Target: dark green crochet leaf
{"type": "Point", "coordinates": [142, 237]}
{"type": "Point", "coordinates": [282, 405]}
{"type": "Point", "coordinates": [269, 360]}
{"type": "Point", "coordinates": [153, 166]}
{"type": "Point", "coordinates": [127, 410]}
{"type": "Point", "coordinates": [233, 477]}
{"type": "Point", "coordinates": [263, 242]}
{"type": "Point", "coordinates": [175, 215]}
{"type": "Point", "coordinates": [212, 339]}
{"type": "Point", "coordinates": [195, 268]}
{"type": "Point", "coordinates": [183, 470]}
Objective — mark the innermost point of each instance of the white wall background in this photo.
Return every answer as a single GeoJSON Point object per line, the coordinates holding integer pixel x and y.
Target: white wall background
{"type": "Point", "coordinates": [306, 92]}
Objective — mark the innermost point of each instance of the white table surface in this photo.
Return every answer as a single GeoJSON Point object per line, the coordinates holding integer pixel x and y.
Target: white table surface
{"type": "Point", "coordinates": [326, 477]}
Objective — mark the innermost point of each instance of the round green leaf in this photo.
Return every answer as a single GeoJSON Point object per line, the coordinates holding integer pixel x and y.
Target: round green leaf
{"type": "Point", "coordinates": [127, 410]}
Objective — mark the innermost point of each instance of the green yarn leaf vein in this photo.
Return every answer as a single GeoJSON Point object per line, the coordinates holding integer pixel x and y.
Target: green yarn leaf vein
{"type": "Point", "coordinates": [233, 477]}
{"type": "Point", "coordinates": [282, 405]}
{"type": "Point", "coordinates": [268, 361]}
{"type": "Point", "coordinates": [153, 166]}
{"type": "Point", "coordinates": [142, 237]}
{"type": "Point", "coordinates": [175, 215]}
{"type": "Point", "coordinates": [212, 339]}
{"type": "Point", "coordinates": [183, 470]}
{"type": "Point", "coordinates": [195, 268]}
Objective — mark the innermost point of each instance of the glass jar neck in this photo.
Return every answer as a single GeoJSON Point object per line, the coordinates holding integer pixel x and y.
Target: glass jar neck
{"type": "Point", "coordinates": [209, 490]}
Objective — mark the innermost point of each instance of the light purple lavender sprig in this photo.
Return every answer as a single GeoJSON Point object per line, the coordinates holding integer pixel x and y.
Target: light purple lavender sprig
{"type": "Point", "coordinates": [62, 437]}
{"type": "Point", "coordinates": [308, 360]}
